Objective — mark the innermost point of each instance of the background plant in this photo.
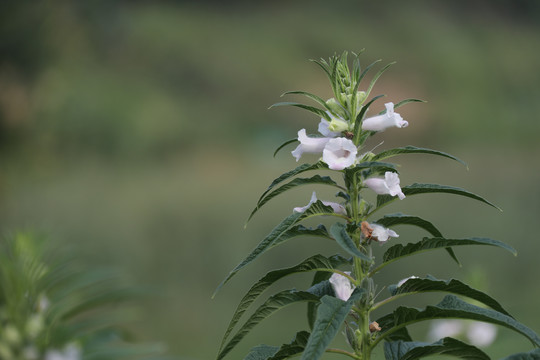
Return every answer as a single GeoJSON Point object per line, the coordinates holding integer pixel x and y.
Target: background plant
{"type": "Point", "coordinates": [337, 298]}
{"type": "Point", "coordinates": [51, 308]}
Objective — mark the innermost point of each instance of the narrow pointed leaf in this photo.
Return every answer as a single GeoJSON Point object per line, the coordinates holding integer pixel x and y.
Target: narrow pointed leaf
{"type": "Point", "coordinates": [402, 219]}
{"type": "Point", "coordinates": [339, 233]}
{"type": "Point", "coordinates": [363, 74]}
{"type": "Point", "coordinates": [283, 145]}
{"type": "Point", "coordinates": [376, 77]}
{"type": "Point", "coordinates": [400, 251]}
{"type": "Point", "coordinates": [330, 316]}
{"type": "Point", "coordinates": [414, 150]}
{"type": "Point", "coordinates": [262, 352]}
{"type": "Point", "coordinates": [416, 188]}
{"type": "Point", "coordinates": [309, 95]}
{"type": "Point", "coordinates": [274, 303]}
{"type": "Point", "coordinates": [407, 101]}
{"type": "Point", "coordinates": [310, 264]}
{"type": "Point", "coordinates": [296, 171]}
{"type": "Point", "coordinates": [316, 179]}
{"type": "Point", "coordinates": [267, 352]}
{"type": "Point", "coordinates": [531, 355]}
{"type": "Point", "coordinates": [449, 308]}
{"type": "Point", "coordinates": [274, 238]}
{"type": "Point", "coordinates": [295, 347]}
{"type": "Point", "coordinates": [312, 109]}
{"type": "Point", "coordinates": [430, 284]}
{"type": "Point", "coordinates": [320, 289]}
{"type": "Point", "coordinates": [407, 350]}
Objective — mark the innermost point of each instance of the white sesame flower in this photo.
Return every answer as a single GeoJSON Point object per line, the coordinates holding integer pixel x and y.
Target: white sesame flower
{"type": "Point", "coordinates": [339, 153]}
{"type": "Point", "coordinates": [324, 129]}
{"type": "Point", "coordinates": [70, 352]}
{"type": "Point", "coordinates": [445, 328]}
{"type": "Point", "coordinates": [381, 234]}
{"type": "Point", "coordinates": [338, 208]}
{"type": "Point", "coordinates": [341, 285]}
{"type": "Point", "coordinates": [403, 281]}
{"type": "Point", "coordinates": [388, 185]}
{"type": "Point", "coordinates": [308, 144]}
{"type": "Point", "coordinates": [481, 333]}
{"type": "Point", "coordinates": [384, 121]}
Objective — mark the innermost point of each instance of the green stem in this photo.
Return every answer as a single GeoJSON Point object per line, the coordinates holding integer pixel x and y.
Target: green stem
{"type": "Point", "coordinates": [343, 352]}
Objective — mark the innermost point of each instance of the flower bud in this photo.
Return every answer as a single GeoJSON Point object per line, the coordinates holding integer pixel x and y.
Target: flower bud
{"type": "Point", "coordinates": [338, 125]}
{"type": "Point", "coordinates": [360, 98]}
{"type": "Point", "coordinates": [336, 107]}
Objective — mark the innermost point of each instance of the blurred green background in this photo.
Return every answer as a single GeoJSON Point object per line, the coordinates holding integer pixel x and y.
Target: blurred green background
{"type": "Point", "coordinates": [139, 132]}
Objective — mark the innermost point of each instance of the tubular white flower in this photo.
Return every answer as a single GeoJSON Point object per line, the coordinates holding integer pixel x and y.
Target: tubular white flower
{"type": "Point", "coordinates": [388, 185]}
{"type": "Point", "coordinates": [382, 234]}
{"type": "Point", "coordinates": [403, 281]}
{"type": "Point", "coordinates": [341, 285]}
{"type": "Point", "coordinates": [338, 208]}
{"type": "Point", "coordinates": [339, 153]}
{"type": "Point", "coordinates": [384, 121]}
{"type": "Point", "coordinates": [445, 328]}
{"type": "Point", "coordinates": [481, 333]}
{"type": "Point", "coordinates": [308, 144]}
{"type": "Point", "coordinates": [70, 352]}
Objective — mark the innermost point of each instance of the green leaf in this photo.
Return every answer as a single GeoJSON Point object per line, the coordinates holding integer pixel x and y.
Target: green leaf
{"type": "Point", "coordinates": [283, 145]}
{"type": "Point", "coordinates": [320, 289]}
{"type": "Point", "coordinates": [450, 307]}
{"type": "Point", "coordinates": [296, 171]}
{"type": "Point", "coordinates": [310, 264]}
{"type": "Point", "coordinates": [312, 109]}
{"type": "Point", "coordinates": [267, 352]}
{"type": "Point", "coordinates": [414, 150]}
{"type": "Point", "coordinates": [274, 303]}
{"type": "Point", "coordinates": [363, 74]}
{"type": "Point", "coordinates": [316, 179]}
{"type": "Point", "coordinates": [402, 350]}
{"type": "Point", "coordinates": [531, 355]}
{"type": "Point", "coordinates": [399, 251]}
{"type": "Point", "coordinates": [406, 101]}
{"type": "Point", "coordinates": [295, 347]}
{"type": "Point", "coordinates": [431, 188]}
{"type": "Point", "coordinates": [262, 352]}
{"type": "Point", "coordinates": [275, 236]}
{"type": "Point", "coordinates": [376, 77]}
{"type": "Point", "coordinates": [311, 96]}
{"type": "Point", "coordinates": [429, 284]}
{"type": "Point", "coordinates": [339, 233]}
{"type": "Point", "coordinates": [402, 219]}
{"type": "Point", "coordinates": [330, 315]}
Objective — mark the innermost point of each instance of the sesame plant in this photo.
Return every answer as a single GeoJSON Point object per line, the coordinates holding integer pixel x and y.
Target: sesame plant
{"type": "Point", "coordinates": [53, 309]}
{"type": "Point", "coordinates": [343, 294]}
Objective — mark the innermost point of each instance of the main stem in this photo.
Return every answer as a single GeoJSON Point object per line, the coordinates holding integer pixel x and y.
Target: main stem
{"type": "Point", "coordinates": [361, 275]}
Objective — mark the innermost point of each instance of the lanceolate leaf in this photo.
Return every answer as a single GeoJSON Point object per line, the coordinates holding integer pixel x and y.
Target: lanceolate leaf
{"type": "Point", "coordinates": [311, 96]}
{"type": "Point", "coordinates": [450, 307]}
{"type": "Point", "coordinates": [330, 315]}
{"type": "Point", "coordinates": [414, 150]}
{"type": "Point", "coordinates": [283, 145]}
{"type": "Point", "coordinates": [316, 179]}
{"type": "Point", "coordinates": [408, 350]}
{"type": "Point", "coordinates": [274, 238]}
{"type": "Point", "coordinates": [267, 352]}
{"type": "Point", "coordinates": [402, 219]}
{"type": "Point", "coordinates": [339, 233]}
{"type": "Point", "coordinates": [271, 305]}
{"type": "Point", "coordinates": [431, 188]}
{"type": "Point", "coordinates": [312, 109]}
{"type": "Point", "coordinates": [407, 101]}
{"type": "Point", "coordinates": [531, 355]}
{"type": "Point", "coordinates": [416, 285]}
{"type": "Point", "coordinates": [296, 171]}
{"type": "Point", "coordinates": [399, 251]}
{"type": "Point", "coordinates": [320, 289]}
{"type": "Point", "coordinates": [376, 77]}
{"type": "Point", "coordinates": [295, 347]}
{"type": "Point", "coordinates": [310, 264]}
